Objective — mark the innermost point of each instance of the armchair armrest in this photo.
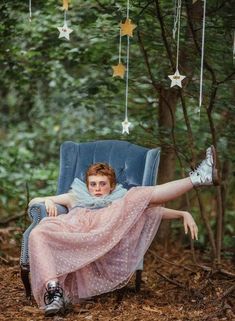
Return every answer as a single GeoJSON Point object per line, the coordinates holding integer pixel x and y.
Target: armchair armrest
{"type": "Point", "coordinates": [36, 213]}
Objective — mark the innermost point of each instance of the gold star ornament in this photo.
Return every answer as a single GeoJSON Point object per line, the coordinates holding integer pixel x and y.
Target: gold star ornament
{"type": "Point", "coordinates": [119, 70]}
{"type": "Point", "coordinates": [127, 28]}
{"type": "Point", "coordinates": [65, 5]}
{"type": "Point", "coordinates": [176, 79]}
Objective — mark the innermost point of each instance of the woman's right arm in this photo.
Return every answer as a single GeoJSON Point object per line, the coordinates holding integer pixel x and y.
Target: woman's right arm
{"type": "Point", "coordinates": [62, 199]}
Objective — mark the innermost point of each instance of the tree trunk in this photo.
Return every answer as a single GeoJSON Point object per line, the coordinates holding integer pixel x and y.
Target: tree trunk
{"type": "Point", "coordinates": [166, 121]}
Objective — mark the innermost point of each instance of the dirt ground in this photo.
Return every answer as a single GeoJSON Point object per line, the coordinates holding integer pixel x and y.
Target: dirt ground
{"type": "Point", "coordinates": [173, 288]}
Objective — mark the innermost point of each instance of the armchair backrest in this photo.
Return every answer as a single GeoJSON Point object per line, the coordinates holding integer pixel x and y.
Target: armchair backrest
{"type": "Point", "coordinates": [134, 165]}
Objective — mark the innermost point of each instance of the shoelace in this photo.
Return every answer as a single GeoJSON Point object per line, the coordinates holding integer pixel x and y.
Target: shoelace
{"type": "Point", "coordinates": [51, 294]}
{"type": "Point", "coordinates": [198, 167]}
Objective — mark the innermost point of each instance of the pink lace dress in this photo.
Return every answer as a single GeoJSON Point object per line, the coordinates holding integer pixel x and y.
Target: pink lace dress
{"type": "Point", "coordinates": [93, 251]}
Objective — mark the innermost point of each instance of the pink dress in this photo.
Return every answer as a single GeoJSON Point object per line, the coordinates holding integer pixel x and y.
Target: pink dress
{"type": "Point", "coordinates": [93, 251]}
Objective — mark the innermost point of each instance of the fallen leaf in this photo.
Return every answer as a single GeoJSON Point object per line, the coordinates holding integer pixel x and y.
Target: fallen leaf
{"type": "Point", "coordinates": [148, 308]}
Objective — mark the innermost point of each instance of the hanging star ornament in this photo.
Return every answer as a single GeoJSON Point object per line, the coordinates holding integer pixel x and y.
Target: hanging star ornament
{"type": "Point", "coordinates": [176, 79]}
{"type": "Point", "coordinates": [119, 70]}
{"type": "Point", "coordinates": [125, 126]}
{"type": "Point", "coordinates": [64, 31]}
{"type": "Point", "coordinates": [127, 28]}
{"type": "Point", "coordinates": [65, 5]}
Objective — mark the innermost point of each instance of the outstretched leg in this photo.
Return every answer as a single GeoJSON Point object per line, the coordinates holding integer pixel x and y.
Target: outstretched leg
{"type": "Point", "coordinates": [204, 175]}
{"type": "Point", "coordinates": [171, 190]}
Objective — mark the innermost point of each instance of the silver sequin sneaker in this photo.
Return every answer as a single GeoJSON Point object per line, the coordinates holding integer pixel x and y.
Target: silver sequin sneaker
{"type": "Point", "coordinates": [54, 299]}
{"type": "Point", "coordinates": [206, 173]}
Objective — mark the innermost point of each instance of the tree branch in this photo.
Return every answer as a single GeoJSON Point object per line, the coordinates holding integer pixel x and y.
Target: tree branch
{"type": "Point", "coordinates": [197, 46]}
{"type": "Point", "coordinates": [164, 38]}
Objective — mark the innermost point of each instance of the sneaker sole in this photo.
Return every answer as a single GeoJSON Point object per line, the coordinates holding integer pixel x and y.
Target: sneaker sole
{"type": "Point", "coordinates": [61, 311]}
{"type": "Point", "coordinates": [52, 312]}
{"type": "Point", "coordinates": [215, 176]}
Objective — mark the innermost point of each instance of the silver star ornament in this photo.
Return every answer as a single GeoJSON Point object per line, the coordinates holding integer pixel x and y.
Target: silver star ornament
{"type": "Point", "coordinates": [125, 126]}
{"type": "Point", "coordinates": [176, 79]}
{"type": "Point", "coordinates": [64, 31]}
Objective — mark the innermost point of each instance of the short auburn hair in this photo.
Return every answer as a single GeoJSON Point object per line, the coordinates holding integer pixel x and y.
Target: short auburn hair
{"type": "Point", "coordinates": [103, 169]}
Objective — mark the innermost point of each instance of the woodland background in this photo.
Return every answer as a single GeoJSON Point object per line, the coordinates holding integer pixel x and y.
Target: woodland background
{"type": "Point", "coordinates": [54, 90]}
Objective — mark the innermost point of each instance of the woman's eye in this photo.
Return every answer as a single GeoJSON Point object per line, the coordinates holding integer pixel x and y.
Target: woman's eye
{"type": "Point", "coordinates": [92, 184]}
{"type": "Point", "coordinates": [102, 184]}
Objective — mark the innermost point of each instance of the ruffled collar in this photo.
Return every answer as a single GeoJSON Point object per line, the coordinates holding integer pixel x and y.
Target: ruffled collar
{"type": "Point", "coordinates": [83, 198]}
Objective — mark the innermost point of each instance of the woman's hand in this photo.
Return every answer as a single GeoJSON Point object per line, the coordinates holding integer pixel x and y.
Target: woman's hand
{"type": "Point", "coordinates": [190, 224]}
{"type": "Point", "coordinates": [36, 200]}
{"type": "Point", "coordinates": [50, 207]}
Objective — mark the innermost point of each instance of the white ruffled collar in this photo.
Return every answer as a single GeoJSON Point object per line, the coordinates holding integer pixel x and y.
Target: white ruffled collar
{"type": "Point", "coordinates": [83, 198]}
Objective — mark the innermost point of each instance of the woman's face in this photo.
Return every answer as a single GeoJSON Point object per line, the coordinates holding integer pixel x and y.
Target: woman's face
{"type": "Point", "coordinates": [99, 185]}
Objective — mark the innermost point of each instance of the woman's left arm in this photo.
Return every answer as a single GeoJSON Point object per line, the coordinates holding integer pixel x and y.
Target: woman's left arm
{"type": "Point", "coordinates": [50, 202]}
{"type": "Point", "coordinates": [188, 221]}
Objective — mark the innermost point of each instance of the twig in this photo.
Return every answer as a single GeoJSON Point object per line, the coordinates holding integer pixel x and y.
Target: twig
{"type": "Point", "coordinates": [204, 267]}
{"type": "Point", "coordinates": [227, 308]}
{"type": "Point", "coordinates": [4, 260]}
{"type": "Point", "coordinates": [172, 263]}
{"type": "Point", "coordinates": [12, 259]}
{"type": "Point", "coordinates": [12, 218]}
{"type": "Point", "coordinates": [7, 230]}
{"type": "Point", "coordinates": [222, 271]}
{"type": "Point", "coordinates": [171, 281]}
{"type": "Point", "coordinates": [227, 292]}
{"type": "Point", "coordinates": [146, 59]}
{"type": "Point", "coordinates": [207, 224]}
{"type": "Point", "coordinates": [163, 32]}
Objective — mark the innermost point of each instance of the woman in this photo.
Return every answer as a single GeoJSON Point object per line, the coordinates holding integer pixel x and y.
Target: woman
{"type": "Point", "coordinates": [97, 246]}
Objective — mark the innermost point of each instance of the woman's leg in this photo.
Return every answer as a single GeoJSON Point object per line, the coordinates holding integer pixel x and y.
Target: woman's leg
{"type": "Point", "coordinates": [48, 294]}
{"type": "Point", "coordinates": [204, 175]}
{"type": "Point", "coordinates": [170, 191]}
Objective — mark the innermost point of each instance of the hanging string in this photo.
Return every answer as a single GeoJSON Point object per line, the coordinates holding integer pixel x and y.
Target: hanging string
{"type": "Point", "coordinates": [128, 9]}
{"type": "Point", "coordinates": [30, 10]}
{"type": "Point", "coordinates": [127, 75]}
{"type": "Point", "coordinates": [127, 63]}
{"type": "Point", "coordinates": [178, 34]}
{"type": "Point", "coordinates": [65, 17]}
{"type": "Point", "coordinates": [65, 8]}
{"type": "Point", "coordinates": [234, 45]}
{"type": "Point", "coordinates": [202, 55]}
{"type": "Point", "coordinates": [120, 47]}
{"type": "Point", "coordinates": [175, 19]}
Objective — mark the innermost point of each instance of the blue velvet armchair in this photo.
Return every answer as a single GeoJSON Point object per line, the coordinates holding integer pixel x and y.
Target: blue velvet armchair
{"type": "Point", "coordinates": [134, 166]}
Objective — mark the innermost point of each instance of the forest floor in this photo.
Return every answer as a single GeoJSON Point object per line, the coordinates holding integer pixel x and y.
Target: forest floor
{"type": "Point", "coordinates": [173, 288]}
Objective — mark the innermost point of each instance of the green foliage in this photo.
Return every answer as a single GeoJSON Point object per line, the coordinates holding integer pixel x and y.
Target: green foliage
{"type": "Point", "coordinates": [21, 175]}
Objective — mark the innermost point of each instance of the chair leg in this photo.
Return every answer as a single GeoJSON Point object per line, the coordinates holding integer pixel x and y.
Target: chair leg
{"type": "Point", "coordinates": [25, 279]}
{"type": "Point", "coordinates": [138, 280]}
